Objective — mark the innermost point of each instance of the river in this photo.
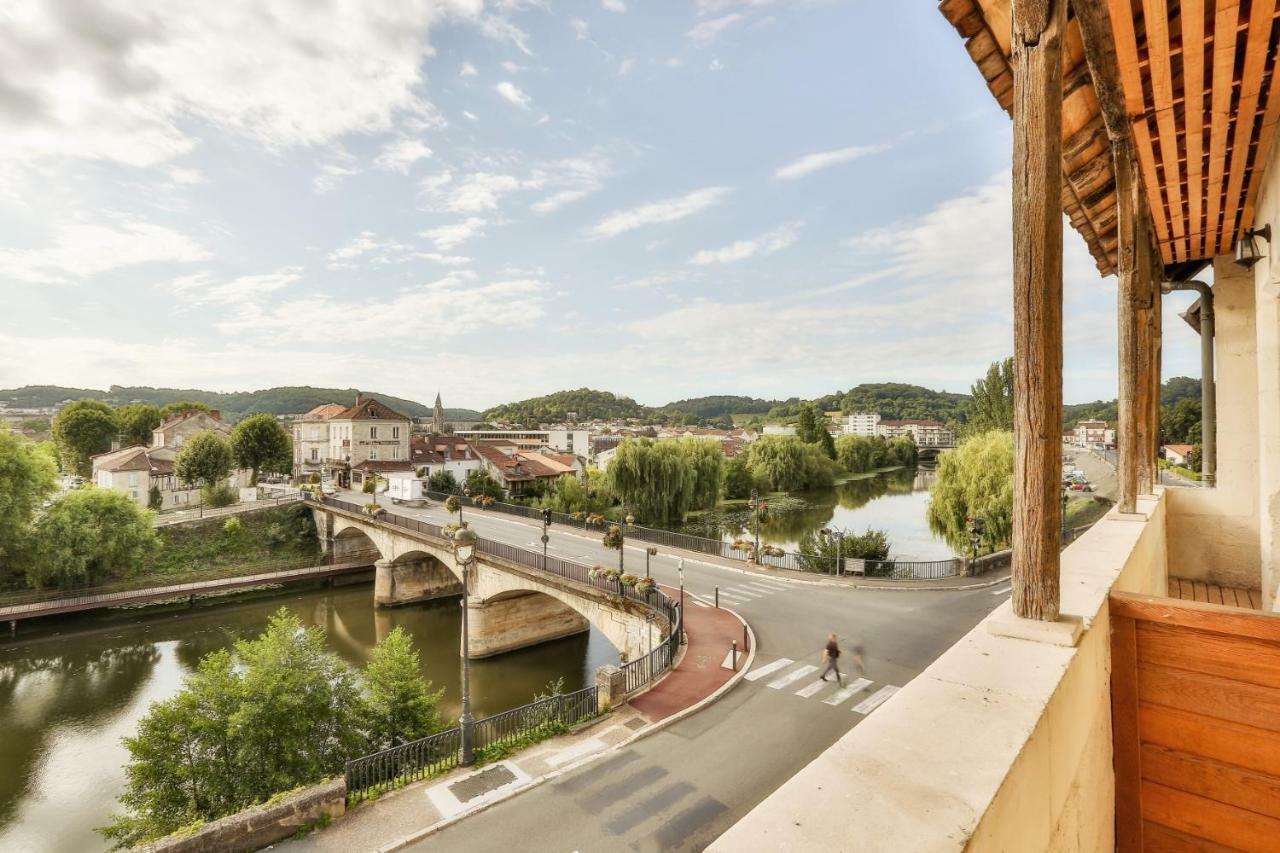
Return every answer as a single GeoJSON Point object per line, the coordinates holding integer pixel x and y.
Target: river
{"type": "Point", "coordinates": [892, 501]}
{"type": "Point", "coordinates": [72, 687]}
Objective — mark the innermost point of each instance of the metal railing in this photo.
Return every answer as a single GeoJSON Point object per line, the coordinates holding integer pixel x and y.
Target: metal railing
{"type": "Point", "coordinates": [439, 752]}
{"type": "Point", "coordinates": [789, 560]}
{"type": "Point", "coordinates": [177, 517]}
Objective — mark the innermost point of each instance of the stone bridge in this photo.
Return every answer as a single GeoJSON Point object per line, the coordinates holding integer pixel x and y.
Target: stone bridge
{"type": "Point", "coordinates": [512, 602]}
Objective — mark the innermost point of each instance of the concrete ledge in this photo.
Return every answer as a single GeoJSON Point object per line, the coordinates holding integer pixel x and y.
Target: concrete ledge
{"type": "Point", "coordinates": [1065, 632]}
{"type": "Point", "coordinates": [258, 826]}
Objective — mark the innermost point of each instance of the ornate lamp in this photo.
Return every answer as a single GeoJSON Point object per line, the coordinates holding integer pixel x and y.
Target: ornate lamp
{"type": "Point", "coordinates": [1247, 251]}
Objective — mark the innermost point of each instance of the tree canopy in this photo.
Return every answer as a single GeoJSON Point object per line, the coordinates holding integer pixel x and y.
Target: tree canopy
{"type": "Point", "coordinates": [82, 429]}
{"type": "Point", "coordinates": [27, 477]}
{"type": "Point", "coordinates": [206, 458]}
{"type": "Point", "coordinates": [260, 443]}
{"type": "Point", "coordinates": [859, 454]}
{"type": "Point", "coordinates": [975, 480]}
{"type": "Point", "coordinates": [1180, 422]}
{"type": "Point", "coordinates": [811, 428]}
{"type": "Point", "coordinates": [661, 481]}
{"type": "Point", "coordinates": [992, 403]}
{"type": "Point", "coordinates": [137, 421]}
{"type": "Point", "coordinates": [585, 403]}
{"type": "Point", "coordinates": [88, 536]}
{"type": "Point", "coordinates": [785, 463]}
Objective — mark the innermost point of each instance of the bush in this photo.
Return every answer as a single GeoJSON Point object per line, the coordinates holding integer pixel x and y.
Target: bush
{"type": "Point", "coordinates": [442, 481]}
{"type": "Point", "coordinates": [232, 526]}
{"type": "Point", "coordinates": [89, 536]}
{"type": "Point", "coordinates": [219, 496]}
{"type": "Point", "coordinates": [452, 504]}
{"type": "Point", "coordinates": [314, 479]}
{"type": "Point", "coordinates": [154, 499]}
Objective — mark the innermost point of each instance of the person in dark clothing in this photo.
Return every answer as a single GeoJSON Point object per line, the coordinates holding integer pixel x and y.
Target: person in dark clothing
{"type": "Point", "coordinates": [831, 657]}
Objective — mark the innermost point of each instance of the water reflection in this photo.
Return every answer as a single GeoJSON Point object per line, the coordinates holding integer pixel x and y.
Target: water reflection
{"type": "Point", "coordinates": [71, 688]}
{"type": "Point", "coordinates": [894, 501]}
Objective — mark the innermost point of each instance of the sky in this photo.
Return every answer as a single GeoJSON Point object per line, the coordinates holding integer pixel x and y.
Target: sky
{"type": "Point", "coordinates": [497, 200]}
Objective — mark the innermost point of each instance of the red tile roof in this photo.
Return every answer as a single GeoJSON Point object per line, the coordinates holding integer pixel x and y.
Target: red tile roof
{"type": "Point", "coordinates": [324, 411]}
{"type": "Point", "coordinates": [369, 409]}
{"type": "Point", "coordinates": [384, 465]}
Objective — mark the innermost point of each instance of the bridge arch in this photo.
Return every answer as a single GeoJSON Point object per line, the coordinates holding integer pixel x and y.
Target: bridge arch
{"type": "Point", "coordinates": [415, 575]}
{"type": "Point", "coordinates": [350, 542]}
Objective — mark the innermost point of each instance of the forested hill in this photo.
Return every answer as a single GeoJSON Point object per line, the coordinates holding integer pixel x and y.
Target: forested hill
{"type": "Point", "coordinates": [276, 401]}
{"type": "Point", "coordinates": [719, 406]}
{"type": "Point", "coordinates": [1172, 390]}
{"type": "Point", "coordinates": [584, 403]}
{"type": "Point", "coordinates": [894, 400]}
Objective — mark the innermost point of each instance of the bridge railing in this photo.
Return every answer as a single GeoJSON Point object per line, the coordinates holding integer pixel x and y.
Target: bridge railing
{"type": "Point", "coordinates": [790, 560]}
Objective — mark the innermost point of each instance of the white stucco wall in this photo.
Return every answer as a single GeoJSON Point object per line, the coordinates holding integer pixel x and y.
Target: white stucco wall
{"type": "Point", "coordinates": [1000, 745]}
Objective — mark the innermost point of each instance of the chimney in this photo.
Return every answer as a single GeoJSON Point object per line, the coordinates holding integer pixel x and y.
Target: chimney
{"type": "Point", "coordinates": [359, 398]}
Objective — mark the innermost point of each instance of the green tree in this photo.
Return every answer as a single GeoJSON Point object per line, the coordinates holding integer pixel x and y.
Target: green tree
{"type": "Point", "coordinates": [1180, 421]}
{"type": "Point", "coordinates": [1195, 458]}
{"type": "Point", "coordinates": [661, 481]}
{"type": "Point", "coordinates": [480, 483]}
{"type": "Point", "coordinates": [570, 495]}
{"type": "Point", "coordinates": [402, 707]}
{"type": "Point", "coordinates": [992, 405]}
{"type": "Point", "coordinates": [27, 477]}
{"type": "Point", "coordinates": [785, 463]}
{"type": "Point", "coordinates": [154, 499]}
{"type": "Point", "coordinates": [260, 443]}
{"type": "Point", "coordinates": [818, 549]}
{"type": "Point", "coordinates": [811, 428]}
{"type": "Point", "coordinates": [442, 481]}
{"type": "Point", "coordinates": [89, 536]}
{"type": "Point", "coordinates": [975, 481]}
{"type": "Point", "coordinates": [183, 407]}
{"type": "Point", "coordinates": [137, 421]}
{"type": "Point", "coordinates": [206, 458]}
{"type": "Point", "coordinates": [82, 429]}
{"type": "Point", "coordinates": [738, 481]}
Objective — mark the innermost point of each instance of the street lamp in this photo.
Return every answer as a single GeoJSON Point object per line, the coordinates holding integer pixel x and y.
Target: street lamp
{"type": "Point", "coordinates": [680, 570]}
{"type": "Point", "coordinates": [465, 491]}
{"type": "Point", "coordinates": [464, 553]}
{"type": "Point", "coordinates": [649, 552]}
{"type": "Point", "coordinates": [1066, 531]}
{"type": "Point", "coordinates": [977, 528]}
{"type": "Point", "coordinates": [622, 537]}
{"type": "Point", "coordinates": [755, 508]}
{"type": "Point", "coordinates": [546, 522]}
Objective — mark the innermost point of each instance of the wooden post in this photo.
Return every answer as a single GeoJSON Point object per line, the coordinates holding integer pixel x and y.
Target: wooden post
{"type": "Point", "coordinates": [1038, 27]}
{"type": "Point", "coordinates": [1157, 356]}
{"type": "Point", "coordinates": [1142, 447]}
{"type": "Point", "coordinates": [1094, 22]}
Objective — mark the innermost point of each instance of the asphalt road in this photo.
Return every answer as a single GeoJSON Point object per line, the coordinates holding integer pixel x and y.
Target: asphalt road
{"type": "Point", "coordinates": [680, 788]}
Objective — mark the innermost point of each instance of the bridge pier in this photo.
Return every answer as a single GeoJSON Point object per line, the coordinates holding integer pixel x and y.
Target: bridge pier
{"type": "Point", "coordinates": [519, 621]}
{"type": "Point", "coordinates": [405, 581]}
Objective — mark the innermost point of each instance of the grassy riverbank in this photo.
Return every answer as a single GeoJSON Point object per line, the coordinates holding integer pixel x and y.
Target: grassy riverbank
{"type": "Point", "coordinates": [280, 537]}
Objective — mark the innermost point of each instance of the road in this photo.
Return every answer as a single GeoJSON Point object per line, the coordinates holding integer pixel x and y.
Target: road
{"type": "Point", "coordinates": [680, 788]}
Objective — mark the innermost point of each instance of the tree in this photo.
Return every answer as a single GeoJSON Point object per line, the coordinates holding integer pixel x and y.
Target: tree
{"type": "Point", "coordinates": [975, 481]}
{"type": "Point", "coordinates": [1180, 422]}
{"type": "Point", "coordinates": [1195, 458]}
{"type": "Point", "coordinates": [992, 405]}
{"type": "Point", "coordinates": [480, 483]}
{"type": "Point", "coordinates": [811, 428]}
{"type": "Point", "coordinates": [89, 536]}
{"type": "Point", "coordinates": [27, 477]}
{"type": "Point", "coordinates": [137, 421]}
{"type": "Point", "coordinates": [82, 429]}
{"type": "Point", "coordinates": [738, 481]}
{"type": "Point", "coordinates": [401, 706]}
{"type": "Point", "coordinates": [661, 481]}
{"type": "Point", "coordinates": [155, 500]}
{"type": "Point", "coordinates": [260, 443]}
{"type": "Point", "coordinates": [785, 463]}
{"type": "Point", "coordinates": [183, 407]}
{"type": "Point", "coordinates": [819, 549]}
{"type": "Point", "coordinates": [570, 495]}
{"type": "Point", "coordinates": [279, 712]}
{"type": "Point", "coordinates": [205, 458]}
{"type": "Point", "coordinates": [442, 481]}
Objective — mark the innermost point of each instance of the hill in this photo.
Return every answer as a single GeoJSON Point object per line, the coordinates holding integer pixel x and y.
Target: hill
{"type": "Point", "coordinates": [896, 400]}
{"type": "Point", "coordinates": [719, 406]}
{"type": "Point", "coordinates": [276, 401]}
{"type": "Point", "coordinates": [1173, 389]}
{"type": "Point", "coordinates": [584, 403]}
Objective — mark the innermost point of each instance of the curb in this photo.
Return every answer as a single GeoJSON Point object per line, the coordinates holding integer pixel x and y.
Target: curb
{"type": "Point", "coordinates": [650, 729]}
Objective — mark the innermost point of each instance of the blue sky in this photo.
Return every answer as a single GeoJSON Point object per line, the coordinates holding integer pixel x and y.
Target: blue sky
{"type": "Point", "coordinates": [498, 200]}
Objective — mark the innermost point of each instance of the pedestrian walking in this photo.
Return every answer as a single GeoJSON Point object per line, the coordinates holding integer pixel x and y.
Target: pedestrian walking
{"type": "Point", "coordinates": [831, 657]}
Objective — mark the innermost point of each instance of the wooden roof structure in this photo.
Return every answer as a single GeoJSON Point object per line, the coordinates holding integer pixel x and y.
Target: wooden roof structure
{"type": "Point", "coordinates": [1200, 93]}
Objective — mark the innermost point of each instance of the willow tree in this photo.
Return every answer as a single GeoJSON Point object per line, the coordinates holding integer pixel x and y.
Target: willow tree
{"type": "Point", "coordinates": [975, 481]}
{"type": "Point", "coordinates": [707, 460]}
{"type": "Point", "coordinates": [661, 481]}
{"type": "Point", "coordinates": [785, 463]}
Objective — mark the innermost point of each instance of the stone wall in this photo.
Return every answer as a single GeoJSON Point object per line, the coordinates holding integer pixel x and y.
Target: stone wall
{"type": "Point", "coordinates": [259, 826]}
{"type": "Point", "coordinates": [519, 620]}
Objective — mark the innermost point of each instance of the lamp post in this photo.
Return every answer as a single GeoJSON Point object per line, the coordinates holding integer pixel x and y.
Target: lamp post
{"type": "Point", "coordinates": [464, 492]}
{"type": "Point", "coordinates": [649, 552]}
{"type": "Point", "coordinates": [546, 522]}
{"type": "Point", "coordinates": [755, 508]}
{"type": "Point", "coordinates": [680, 570]}
{"type": "Point", "coordinates": [1066, 531]}
{"type": "Point", "coordinates": [464, 553]}
{"type": "Point", "coordinates": [622, 537]}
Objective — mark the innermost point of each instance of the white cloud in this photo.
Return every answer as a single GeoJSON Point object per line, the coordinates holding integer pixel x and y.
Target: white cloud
{"type": "Point", "coordinates": [338, 166]}
{"type": "Point", "coordinates": [400, 155]}
{"type": "Point", "coordinates": [709, 30]}
{"type": "Point", "coordinates": [555, 201]}
{"type": "Point", "coordinates": [186, 177]}
{"type": "Point", "coordinates": [659, 212]}
{"type": "Point", "coordinates": [811, 163]}
{"type": "Point", "coordinates": [625, 66]}
{"type": "Point", "coordinates": [481, 191]}
{"type": "Point", "coordinates": [711, 7]}
{"type": "Point", "coordinates": [580, 29]}
{"type": "Point", "coordinates": [766, 244]}
{"type": "Point", "coordinates": [580, 177]}
{"type": "Point", "coordinates": [511, 92]}
{"type": "Point", "coordinates": [134, 83]}
{"type": "Point", "coordinates": [205, 289]}
{"type": "Point", "coordinates": [512, 67]}
{"type": "Point", "coordinates": [472, 116]}
{"type": "Point", "coordinates": [467, 70]}
{"type": "Point", "coordinates": [715, 65]}
{"type": "Point", "coordinates": [446, 237]}
{"type": "Point", "coordinates": [617, 6]}
{"type": "Point", "coordinates": [81, 250]}
{"type": "Point", "coordinates": [368, 248]}
{"type": "Point", "coordinates": [673, 62]}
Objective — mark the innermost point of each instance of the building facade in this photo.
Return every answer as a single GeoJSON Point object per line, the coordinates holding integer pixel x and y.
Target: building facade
{"type": "Point", "coordinates": [861, 423]}
{"type": "Point", "coordinates": [311, 440]}
{"type": "Point", "coordinates": [369, 431]}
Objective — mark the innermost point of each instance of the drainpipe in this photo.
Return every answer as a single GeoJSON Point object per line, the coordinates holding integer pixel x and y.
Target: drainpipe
{"type": "Point", "coordinates": [1208, 391]}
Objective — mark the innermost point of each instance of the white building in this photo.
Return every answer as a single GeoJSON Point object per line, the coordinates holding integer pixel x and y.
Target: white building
{"type": "Point", "coordinates": [431, 454]}
{"type": "Point", "coordinates": [369, 432]}
{"type": "Point", "coordinates": [1093, 434]}
{"type": "Point", "coordinates": [924, 433]}
{"type": "Point", "coordinates": [575, 441]}
{"type": "Point", "coordinates": [779, 429]}
{"type": "Point", "coordinates": [861, 423]}
{"type": "Point", "coordinates": [311, 439]}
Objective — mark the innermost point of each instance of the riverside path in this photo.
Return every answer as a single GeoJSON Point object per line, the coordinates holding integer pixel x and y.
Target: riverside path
{"type": "Point", "coordinates": [682, 786]}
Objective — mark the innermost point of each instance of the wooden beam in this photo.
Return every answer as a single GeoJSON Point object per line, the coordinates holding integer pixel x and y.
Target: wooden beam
{"type": "Point", "coordinates": [1142, 392]}
{"type": "Point", "coordinates": [1155, 18]}
{"type": "Point", "coordinates": [1225, 16]}
{"type": "Point", "coordinates": [1255, 64]}
{"type": "Point", "coordinates": [1193, 89]}
{"type": "Point", "coordinates": [1157, 355]}
{"type": "Point", "coordinates": [1037, 38]}
{"type": "Point", "coordinates": [1094, 23]}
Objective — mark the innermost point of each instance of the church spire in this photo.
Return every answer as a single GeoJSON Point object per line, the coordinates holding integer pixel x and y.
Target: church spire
{"type": "Point", "coordinates": [437, 417]}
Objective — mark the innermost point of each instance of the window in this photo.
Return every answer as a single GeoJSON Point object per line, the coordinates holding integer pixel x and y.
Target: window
{"type": "Point", "coordinates": [373, 432]}
{"type": "Point", "coordinates": [315, 454]}
{"type": "Point", "coordinates": [395, 452]}
{"type": "Point", "coordinates": [373, 453]}
{"type": "Point", "coordinates": [133, 481]}
{"type": "Point", "coordinates": [395, 432]}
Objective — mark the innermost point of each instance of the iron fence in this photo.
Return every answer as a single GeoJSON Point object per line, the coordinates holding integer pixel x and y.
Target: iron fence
{"type": "Point", "coordinates": [510, 726]}
{"type": "Point", "coordinates": [408, 762]}
{"type": "Point", "coordinates": [200, 512]}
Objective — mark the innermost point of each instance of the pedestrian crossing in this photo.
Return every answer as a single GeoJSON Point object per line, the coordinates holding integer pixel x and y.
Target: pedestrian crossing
{"type": "Point", "coordinates": [743, 593]}
{"type": "Point", "coordinates": [788, 675]}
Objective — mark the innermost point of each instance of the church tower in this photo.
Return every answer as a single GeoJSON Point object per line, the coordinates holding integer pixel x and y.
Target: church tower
{"type": "Point", "coordinates": [437, 417]}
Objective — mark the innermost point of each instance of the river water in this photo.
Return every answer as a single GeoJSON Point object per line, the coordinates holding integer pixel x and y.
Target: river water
{"type": "Point", "coordinates": [72, 687]}
{"type": "Point", "coordinates": [892, 501]}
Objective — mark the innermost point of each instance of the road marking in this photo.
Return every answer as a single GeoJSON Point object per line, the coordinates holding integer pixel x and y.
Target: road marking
{"type": "Point", "coordinates": [806, 692]}
{"type": "Point", "coordinates": [580, 748]}
{"type": "Point", "coordinates": [742, 592]}
{"type": "Point", "coordinates": [699, 603]}
{"type": "Point", "coordinates": [761, 588]}
{"type": "Point", "coordinates": [773, 583]}
{"type": "Point", "coordinates": [1003, 591]}
{"type": "Point", "coordinates": [792, 676]}
{"type": "Point", "coordinates": [857, 686]}
{"type": "Point", "coordinates": [875, 700]}
{"type": "Point", "coordinates": [762, 671]}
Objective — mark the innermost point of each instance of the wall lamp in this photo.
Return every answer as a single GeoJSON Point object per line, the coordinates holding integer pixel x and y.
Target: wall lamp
{"type": "Point", "coordinates": [1247, 252]}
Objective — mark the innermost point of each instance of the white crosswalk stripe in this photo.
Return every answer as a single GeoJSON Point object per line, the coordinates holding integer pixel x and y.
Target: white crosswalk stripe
{"type": "Point", "coordinates": [762, 671]}
{"type": "Point", "coordinates": [1002, 591]}
{"type": "Point", "coordinates": [811, 689]}
{"type": "Point", "coordinates": [793, 676]}
{"type": "Point", "coordinates": [875, 700]}
{"type": "Point", "coordinates": [744, 592]}
{"type": "Point", "coordinates": [856, 686]}
{"type": "Point", "coordinates": [773, 583]}
{"type": "Point", "coordinates": [767, 590]}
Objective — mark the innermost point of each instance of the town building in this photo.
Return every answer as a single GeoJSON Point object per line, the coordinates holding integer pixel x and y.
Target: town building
{"type": "Point", "coordinates": [1176, 454]}
{"type": "Point", "coordinates": [925, 433]}
{"type": "Point", "coordinates": [860, 423]}
{"type": "Point", "coordinates": [575, 441]}
{"type": "Point", "coordinates": [368, 432]}
{"type": "Point", "coordinates": [174, 432]}
{"type": "Point", "coordinates": [521, 472]}
{"type": "Point", "coordinates": [1093, 433]}
{"type": "Point", "coordinates": [431, 454]}
{"type": "Point", "coordinates": [311, 439]}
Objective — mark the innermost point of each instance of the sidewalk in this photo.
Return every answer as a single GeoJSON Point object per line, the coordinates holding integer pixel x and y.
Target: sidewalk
{"type": "Point", "coordinates": [417, 810]}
